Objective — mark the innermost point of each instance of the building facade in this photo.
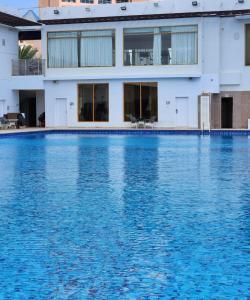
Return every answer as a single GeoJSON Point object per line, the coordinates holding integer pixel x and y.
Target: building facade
{"type": "Point", "coordinates": [180, 64]}
{"type": "Point", "coordinates": [9, 36]}
{"type": "Point", "coordinates": [62, 3]}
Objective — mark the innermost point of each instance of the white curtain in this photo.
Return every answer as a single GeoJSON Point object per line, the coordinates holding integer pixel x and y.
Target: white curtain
{"type": "Point", "coordinates": [157, 47]}
{"type": "Point", "coordinates": [96, 48]}
{"type": "Point", "coordinates": [183, 46]}
{"type": "Point", "coordinates": [62, 51]}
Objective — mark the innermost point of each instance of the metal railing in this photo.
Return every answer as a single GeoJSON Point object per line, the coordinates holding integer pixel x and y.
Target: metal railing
{"type": "Point", "coordinates": [28, 67]}
{"type": "Point", "coordinates": [138, 57]}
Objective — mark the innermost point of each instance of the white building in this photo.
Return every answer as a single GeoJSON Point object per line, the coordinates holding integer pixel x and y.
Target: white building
{"type": "Point", "coordinates": [9, 37]}
{"type": "Point", "coordinates": [183, 63]}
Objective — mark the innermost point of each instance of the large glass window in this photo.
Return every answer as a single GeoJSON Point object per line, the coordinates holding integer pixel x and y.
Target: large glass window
{"type": "Point", "coordinates": [97, 48]}
{"type": "Point", "coordinates": [62, 50]}
{"type": "Point", "coordinates": [138, 46]}
{"type": "Point", "coordinates": [93, 103]}
{"type": "Point", "coordinates": [247, 50]}
{"type": "Point", "coordinates": [161, 46]}
{"type": "Point", "coordinates": [140, 101]}
{"type": "Point", "coordinates": [81, 49]}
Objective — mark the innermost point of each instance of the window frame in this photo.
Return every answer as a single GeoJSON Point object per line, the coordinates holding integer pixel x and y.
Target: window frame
{"type": "Point", "coordinates": [140, 83]}
{"type": "Point", "coordinates": [160, 27]}
{"type": "Point", "coordinates": [79, 40]}
{"type": "Point", "coordinates": [93, 101]}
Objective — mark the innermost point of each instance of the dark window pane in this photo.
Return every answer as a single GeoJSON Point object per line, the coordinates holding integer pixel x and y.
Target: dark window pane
{"type": "Point", "coordinates": [86, 102]}
{"type": "Point", "coordinates": [149, 107]}
{"type": "Point", "coordinates": [131, 101]}
{"type": "Point", "coordinates": [101, 103]}
{"type": "Point", "coordinates": [138, 47]}
{"type": "Point", "coordinates": [248, 45]}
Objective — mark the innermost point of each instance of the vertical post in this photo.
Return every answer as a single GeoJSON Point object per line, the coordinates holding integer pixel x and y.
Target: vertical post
{"type": "Point", "coordinates": [93, 105]}
{"type": "Point", "coordinates": [140, 101]}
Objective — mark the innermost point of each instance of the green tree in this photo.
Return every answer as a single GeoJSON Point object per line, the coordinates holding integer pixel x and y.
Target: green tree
{"type": "Point", "coordinates": [27, 52]}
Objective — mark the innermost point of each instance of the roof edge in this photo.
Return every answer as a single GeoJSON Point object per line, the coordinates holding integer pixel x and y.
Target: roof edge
{"type": "Point", "coordinates": [225, 13]}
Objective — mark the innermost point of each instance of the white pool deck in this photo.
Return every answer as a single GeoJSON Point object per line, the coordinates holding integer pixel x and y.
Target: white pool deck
{"type": "Point", "coordinates": [38, 129]}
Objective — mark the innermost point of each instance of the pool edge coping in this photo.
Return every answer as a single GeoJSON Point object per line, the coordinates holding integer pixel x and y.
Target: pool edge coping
{"type": "Point", "coordinates": [129, 131]}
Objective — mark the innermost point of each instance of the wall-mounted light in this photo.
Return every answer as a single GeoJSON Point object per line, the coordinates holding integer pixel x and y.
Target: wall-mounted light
{"type": "Point", "coordinates": [123, 8]}
{"type": "Point", "coordinates": [56, 12]}
{"type": "Point", "coordinates": [195, 3]}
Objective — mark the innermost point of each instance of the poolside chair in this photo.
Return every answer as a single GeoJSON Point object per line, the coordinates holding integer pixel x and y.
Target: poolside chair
{"type": "Point", "coordinates": [12, 118]}
{"type": "Point", "coordinates": [150, 122]}
{"type": "Point", "coordinates": [141, 123]}
{"type": "Point", "coordinates": [4, 123]}
{"type": "Point", "coordinates": [133, 121]}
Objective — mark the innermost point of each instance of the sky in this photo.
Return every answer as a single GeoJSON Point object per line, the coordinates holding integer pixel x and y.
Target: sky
{"type": "Point", "coordinates": [21, 5]}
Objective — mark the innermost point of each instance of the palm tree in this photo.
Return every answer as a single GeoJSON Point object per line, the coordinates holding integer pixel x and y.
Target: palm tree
{"type": "Point", "coordinates": [27, 52]}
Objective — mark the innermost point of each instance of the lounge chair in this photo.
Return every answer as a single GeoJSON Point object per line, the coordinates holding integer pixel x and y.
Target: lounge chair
{"type": "Point", "coordinates": [150, 122]}
{"type": "Point", "coordinates": [4, 123]}
{"type": "Point", "coordinates": [133, 121]}
{"type": "Point", "coordinates": [12, 118]}
{"type": "Point", "coordinates": [141, 123]}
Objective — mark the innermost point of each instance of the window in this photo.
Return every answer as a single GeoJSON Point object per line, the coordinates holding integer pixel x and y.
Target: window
{"type": "Point", "coordinates": [161, 46]}
{"type": "Point", "coordinates": [138, 46]}
{"type": "Point", "coordinates": [93, 103]}
{"type": "Point", "coordinates": [87, 1]}
{"type": "Point", "coordinates": [247, 45]}
{"type": "Point", "coordinates": [97, 48]}
{"type": "Point", "coordinates": [81, 49]}
{"type": "Point", "coordinates": [62, 50]}
{"type": "Point", "coordinates": [104, 1]}
{"type": "Point", "coordinates": [140, 100]}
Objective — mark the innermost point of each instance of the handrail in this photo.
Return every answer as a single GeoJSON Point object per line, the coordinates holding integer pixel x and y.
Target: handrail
{"type": "Point", "coordinates": [28, 67]}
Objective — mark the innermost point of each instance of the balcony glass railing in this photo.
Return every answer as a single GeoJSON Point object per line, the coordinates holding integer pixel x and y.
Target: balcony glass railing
{"type": "Point", "coordinates": [28, 67]}
{"type": "Point", "coordinates": [138, 57]}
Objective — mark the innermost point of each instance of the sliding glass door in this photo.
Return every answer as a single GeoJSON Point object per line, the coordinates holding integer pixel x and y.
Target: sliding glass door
{"type": "Point", "coordinates": [93, 103]}
{"type": "Point", "coordinates": [140, 101]}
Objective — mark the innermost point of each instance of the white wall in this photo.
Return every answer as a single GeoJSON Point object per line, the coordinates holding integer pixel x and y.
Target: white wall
{"type": "Point", "coordinates": [168, 90]}
{"type": "Point", "coordinates": [235, 76]}
{"type": "Point", "coordinates": [8, 51]}
{"type": "Point", "coordinates": [120, 71]}
{"type": "Point", "coordinates": [137, 8]}
{"type": "Point", "coordinates": [173, 81]}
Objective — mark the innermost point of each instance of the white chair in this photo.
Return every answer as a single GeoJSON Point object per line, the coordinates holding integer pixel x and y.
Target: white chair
{"type": "Point", "coordinates": [150, 123]}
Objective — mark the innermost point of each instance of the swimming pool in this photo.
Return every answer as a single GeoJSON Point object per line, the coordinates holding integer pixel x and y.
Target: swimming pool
{"type": "Point", "coordinates": [124, 217]}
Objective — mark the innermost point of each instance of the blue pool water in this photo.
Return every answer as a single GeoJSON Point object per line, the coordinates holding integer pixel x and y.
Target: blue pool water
{"type": "Point", "coordinates": [124, 217]}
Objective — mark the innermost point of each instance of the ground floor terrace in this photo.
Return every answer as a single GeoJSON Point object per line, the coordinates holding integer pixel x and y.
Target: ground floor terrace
{"type": "Point", "coordinates": [167, 103]}
{"type": "Point", "coordinates": [171, 103]}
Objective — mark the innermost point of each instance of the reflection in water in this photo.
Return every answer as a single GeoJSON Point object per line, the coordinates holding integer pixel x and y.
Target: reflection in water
{"type": "Point", "coordinates": [124, 217]}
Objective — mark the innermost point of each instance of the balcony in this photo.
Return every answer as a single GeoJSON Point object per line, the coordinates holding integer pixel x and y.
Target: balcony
{"type": "Point", "coordinates": [138, 57]}
{"type": "Point", "coordinates": [28, 67]}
